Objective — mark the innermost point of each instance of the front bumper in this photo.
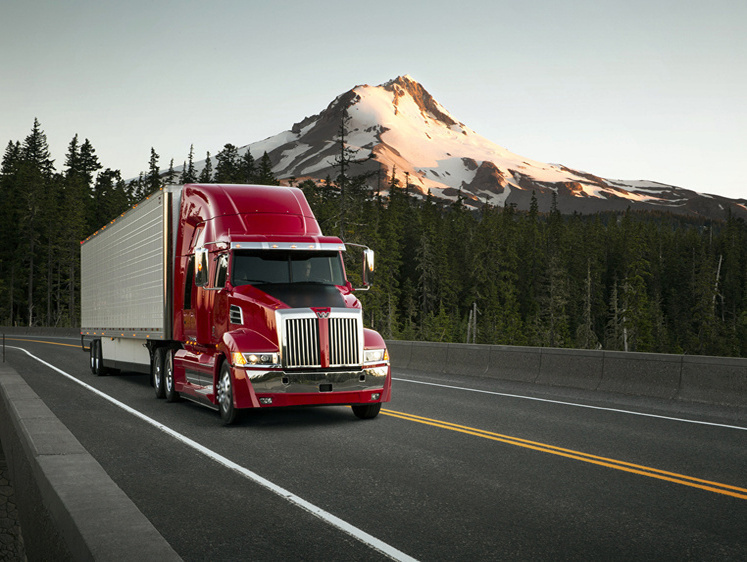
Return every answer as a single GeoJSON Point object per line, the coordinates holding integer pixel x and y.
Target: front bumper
{"type": "Point", "coordinates": [285, 388]}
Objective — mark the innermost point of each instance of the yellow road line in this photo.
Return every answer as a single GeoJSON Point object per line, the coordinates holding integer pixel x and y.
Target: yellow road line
{"type": "Point", "coordinates": [708, 485]}
{"type": "Point", "coordinates": [42, 341]}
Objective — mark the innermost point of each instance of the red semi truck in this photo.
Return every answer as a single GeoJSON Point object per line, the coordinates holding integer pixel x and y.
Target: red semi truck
{"type": "Point", "coordinates": [230, 296]}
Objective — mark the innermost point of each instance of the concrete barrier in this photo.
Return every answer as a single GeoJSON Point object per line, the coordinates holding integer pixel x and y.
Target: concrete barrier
{"type": "Point", "coordinates": [514, 363]}
{"type": "Point", "coordinates": [467, 359]}
{"type": "Point", "coordinates": [69, 508]}
{"type": "Point", "coordinates": [715, 380]}
{"type": "Point", "coordinates": [399, 353]}
{"type": "Point", "coordinates": [573, 368]}
{"type": "Point", "coordinates": [428, 357]}
{"type": "Point", "coordinates": [641, 374]}
{"type": "Point", "coordinates": [712, 380]}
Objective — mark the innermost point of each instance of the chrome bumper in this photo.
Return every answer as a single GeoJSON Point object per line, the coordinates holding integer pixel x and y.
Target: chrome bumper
{"type": "Point", "coordinates": [289, 382]}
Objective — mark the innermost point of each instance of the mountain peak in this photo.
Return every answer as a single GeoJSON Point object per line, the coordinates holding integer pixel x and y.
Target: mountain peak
{"type": "Point", "coordinates": [422, 98]}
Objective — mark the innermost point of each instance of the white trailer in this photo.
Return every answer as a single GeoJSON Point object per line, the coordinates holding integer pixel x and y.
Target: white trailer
{"type": "Point", "coordinates": [126, 269]}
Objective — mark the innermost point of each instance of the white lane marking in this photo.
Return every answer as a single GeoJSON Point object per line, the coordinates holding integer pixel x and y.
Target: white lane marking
{"type": "Point", "coordinates": [572, 404]}
{"type": "Point", "coordinates": [325, 516]}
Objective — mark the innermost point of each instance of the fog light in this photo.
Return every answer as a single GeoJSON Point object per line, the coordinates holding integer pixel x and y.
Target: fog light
{"type": "Point", "coordinates": [375, 396]}
{"type": "Point", "coordinates": [265, 401]}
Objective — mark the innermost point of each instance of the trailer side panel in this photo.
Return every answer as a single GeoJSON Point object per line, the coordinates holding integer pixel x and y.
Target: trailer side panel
{"type": "Point", "coordinates": [124, 273]}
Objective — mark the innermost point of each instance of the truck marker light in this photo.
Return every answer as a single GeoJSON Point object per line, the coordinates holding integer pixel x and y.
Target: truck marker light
{"type": "Point", "coordinates": [238, 358]}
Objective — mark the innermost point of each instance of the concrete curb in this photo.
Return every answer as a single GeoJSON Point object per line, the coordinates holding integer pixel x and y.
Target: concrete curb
{"type": "Point", "coordinates": [710, 380]}
{"type": "Point", "coordinates": [70, 509]}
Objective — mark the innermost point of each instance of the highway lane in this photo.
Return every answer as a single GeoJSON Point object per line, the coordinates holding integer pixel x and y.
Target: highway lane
{"type": "Point", "coordinates": [458, 484]}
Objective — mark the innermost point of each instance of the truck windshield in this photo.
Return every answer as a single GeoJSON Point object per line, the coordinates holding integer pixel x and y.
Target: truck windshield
{"type": "Point", "coordinates": [258, 267]}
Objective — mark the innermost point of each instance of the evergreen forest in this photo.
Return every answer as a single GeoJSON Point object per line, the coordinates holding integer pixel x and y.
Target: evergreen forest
{"type": "Point", "coordinates": [633, 281]}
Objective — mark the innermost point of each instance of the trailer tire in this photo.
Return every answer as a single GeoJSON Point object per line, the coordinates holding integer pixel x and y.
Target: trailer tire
{"type": "Point", "coordinates": [92, 355]}
{"type": "Point", "coordinates": [156, 370]}
{"type": "Point", "coordinates": [367, 411]}
{"type": "Point", "coordinates": [224, 395]}
{"type": "Point", "coordinates": [97, 359]}
{"type": "Point", "coordinates": [168, 377]}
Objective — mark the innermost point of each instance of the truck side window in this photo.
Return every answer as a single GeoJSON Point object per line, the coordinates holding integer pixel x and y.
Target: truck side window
{"type": "Point", "coordinates": [221, 271]}
{"type": "Point", "coordinates": [189, 280]}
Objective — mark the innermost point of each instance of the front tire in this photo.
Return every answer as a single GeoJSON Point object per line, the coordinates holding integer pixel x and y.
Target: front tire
{"type": "Point", "coordinates": [156, 369]}
{"type": "Point", "coordinates": [367, 411]}
{"type": "Point", "coordinates": [224, 396]}
{"type": "Point", "coordinates": [168, 377]}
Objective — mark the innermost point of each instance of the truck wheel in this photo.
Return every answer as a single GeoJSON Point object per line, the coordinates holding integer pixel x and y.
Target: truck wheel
{"type": "Point", "coordinates": [97, 359]}
{"type": "Point", "coordinates": [92, 355]}
{"type": "Point", "coordinates": [224, 395]}
{"type": "Point", "coordinates": [168, 377]}
{"type": "Point", "coordinates": [156, 369]}
{"type": "Point", "coordinates": [367, 412]}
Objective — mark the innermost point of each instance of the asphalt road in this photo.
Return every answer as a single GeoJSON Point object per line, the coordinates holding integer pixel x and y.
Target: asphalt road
{"type": "Point", "coordinates": [453, 469]}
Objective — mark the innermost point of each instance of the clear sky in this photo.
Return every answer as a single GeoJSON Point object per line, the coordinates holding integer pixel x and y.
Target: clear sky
{"type": "Point", "coordinates": [625, 89]}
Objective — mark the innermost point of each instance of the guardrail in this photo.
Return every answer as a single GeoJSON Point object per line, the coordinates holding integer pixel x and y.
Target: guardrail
{"type": "Point", "coordinates": [711, 380]}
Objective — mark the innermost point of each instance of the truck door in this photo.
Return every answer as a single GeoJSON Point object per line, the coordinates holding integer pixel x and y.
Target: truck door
{"type": "Point", "coordinates": [189, 315]}
{"type": "Point", "coordinates": [219, 309]}
{"type": "Point", "coordinates": [189, 324]}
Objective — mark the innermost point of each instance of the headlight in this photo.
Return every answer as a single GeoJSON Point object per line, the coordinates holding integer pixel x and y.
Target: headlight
{"type": "Point", "coordinates": [375, 355]}
{"type": "Point", "coordinates": [255, 359]}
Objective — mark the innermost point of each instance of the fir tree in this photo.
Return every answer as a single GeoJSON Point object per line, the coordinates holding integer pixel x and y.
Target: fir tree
{"type": "Point", "coordinates": [227, 170]}
{"type": "Point", "coordinates": [153, 179]}
{"type": "Point", "coordinates": [189, 175]}
{"type": "Point", "coordinates": [264, 172]}
{"type": "Point", "coordinates": [247, 168]}
{"type": "Point", "coordinates": [206, 175]}
{"type": "Point", "coordinates": [170, 176]}
{"type": "Point", "coordinates": [34, 185]}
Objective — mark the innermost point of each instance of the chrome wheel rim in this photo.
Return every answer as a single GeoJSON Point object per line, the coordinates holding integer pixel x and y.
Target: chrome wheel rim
{"type": "Point", "coordinates": [169, 373]}
{"type": "Point", "coordinates": [224, 391]}
{"type": "Point", "coordinates": [157, 374]}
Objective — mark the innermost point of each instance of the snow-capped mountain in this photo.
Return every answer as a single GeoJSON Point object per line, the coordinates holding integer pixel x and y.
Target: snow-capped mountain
{"type": "Point", "coordinates": [398, 126]}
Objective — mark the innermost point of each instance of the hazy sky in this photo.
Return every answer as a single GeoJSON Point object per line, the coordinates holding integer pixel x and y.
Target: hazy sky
{"type": "Point", "coordinates": [627, 89]}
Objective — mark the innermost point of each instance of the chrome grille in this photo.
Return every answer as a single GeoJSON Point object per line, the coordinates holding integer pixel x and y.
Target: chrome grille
{"type": "Point", "coordinates": [234, 315]}
{"type": "Point", "coordinates": [301, 345]}
{"type": "Point", "coordinates": [344, 347]}
{"type": "Point", "coordinates": [301, 338]}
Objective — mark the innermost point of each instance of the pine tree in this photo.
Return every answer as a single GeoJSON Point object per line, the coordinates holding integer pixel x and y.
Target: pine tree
{"type": "Point", "coordinates": [170, 176]}
{"type": "Point", "coordinates": [586, 338]}
{"type": "Point", "coordinates": [76, 202]}
{"type": "Point", "coordinates": [189, 175]}
{"type": "Point", "coordinates": [35, 181]}
{"type": "Point", "coordinates": [247, 168]}
{"type": "Point", "coordinates": [206, 175]}
{"type": "Point", "coordinates": [10, 210]}
{"type": "Point", "coordinates": [264, 172]}
{"type": "Point", "coordinates": [227, 170]}
{"type": "Point", "coordinates": [153, 179]}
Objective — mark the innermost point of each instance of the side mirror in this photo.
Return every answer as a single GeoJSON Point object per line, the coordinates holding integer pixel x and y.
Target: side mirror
{"type": "Point", "coordinates": [201, 267]}
{"type": "Point", "coordinates": [368, 268]}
